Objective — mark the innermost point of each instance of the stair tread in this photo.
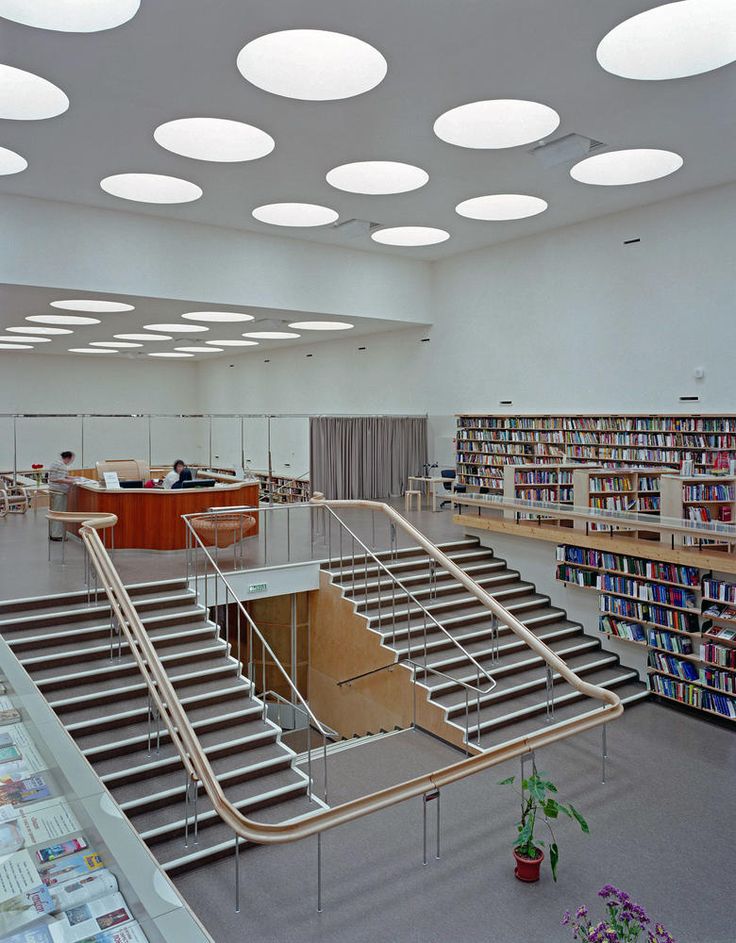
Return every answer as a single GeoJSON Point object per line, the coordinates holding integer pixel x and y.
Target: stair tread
{"type": "Point", "coordinates": [92, 649]}
{"type": "Point", "coordinates": [40, 623]}
{"type": "Point", "coordinates": [76, 598]}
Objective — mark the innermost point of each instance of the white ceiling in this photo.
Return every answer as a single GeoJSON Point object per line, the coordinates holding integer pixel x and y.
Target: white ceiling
{"type": "Point", "coordinates": [19, 301]}
{"type": "Point", "coordinates": [176, 58]}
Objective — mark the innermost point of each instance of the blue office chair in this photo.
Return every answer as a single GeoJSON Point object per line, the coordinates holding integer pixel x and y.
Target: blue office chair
{"type": "Point", "coordinates": [449, 477]}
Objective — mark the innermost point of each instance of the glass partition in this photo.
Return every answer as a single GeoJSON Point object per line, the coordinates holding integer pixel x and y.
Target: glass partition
{"type": "Point", "coordinates": [108, 437]}
{"type": "Point", "coordinates": [185, 437]}
{"type": "Point", "coordinates": [226, 442]}
{"type": "Point", "coordinates": [40, 439]}
{"type": "Point", "coordinates": [6, 443]}
{"type": "Point", "coordinates": [290, 446]}
{"type": "Point", "coordinates": [255, 443]}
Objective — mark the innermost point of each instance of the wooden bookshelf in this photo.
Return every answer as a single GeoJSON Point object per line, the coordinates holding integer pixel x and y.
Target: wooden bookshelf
{"type": "Point", "coordinates": [487, 442]}
{"type": "Point", "coordinates": [537, 482]}
{"type": "Point", "coordinates": [282, 489]}
{"type": "Point", "coordinates": [620, 489]}
{"type": "Point", "coordinates": [636, 585]}
{"type": "Point", "coordinates": [698, 498]}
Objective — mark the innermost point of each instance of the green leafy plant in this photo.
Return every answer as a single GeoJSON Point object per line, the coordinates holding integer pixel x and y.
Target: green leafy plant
{"type": "Point", "coordinates": [538, 801]}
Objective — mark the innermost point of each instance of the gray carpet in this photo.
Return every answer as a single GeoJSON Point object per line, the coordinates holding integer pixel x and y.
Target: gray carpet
{"type": "Point", "coordinates": [659, 828]}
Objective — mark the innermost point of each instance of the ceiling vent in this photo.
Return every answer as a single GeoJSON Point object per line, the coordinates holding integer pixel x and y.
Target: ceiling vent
{"type": "Point", "coordinates": [355, 228]}
{"type": "Point", "coordinates": [565, 149]}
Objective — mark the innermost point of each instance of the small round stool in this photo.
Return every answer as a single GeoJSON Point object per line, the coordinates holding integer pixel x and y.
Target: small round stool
{"type": "Point", "coordinates": [409, 499]}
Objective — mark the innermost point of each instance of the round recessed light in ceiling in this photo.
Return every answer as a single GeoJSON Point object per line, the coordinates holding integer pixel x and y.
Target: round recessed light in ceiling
{"type": "Point", "coordinates": [92, 304]}
{"type": "Point", "coordinates": [621, 168]}
{"type": "Point", "coordinates": [295, 214]}
{"type": "Point", "coordinates": [177, 328]}
{"type": "Point", "coordinates": [498, 123]}
{"type": "Point", "coordinates": [62, 319]}
{"type": "Point", "coordinates": [27, 97]}
{"type": "Point", "coordinates": [672, 41]}
{"type": "Point", "coordinates": [410, 236]}
{"type": "Point", "coordinates": [322, 325]}
{"type": "Point", "coordinates": [91, 350]}
{"type": "Point", "coordinates": [223, 317]}
{"type": "Point", "coordinates": [70, 16]}
{"type": "Point", "coordinates": [10, 162]}
{"type": "Point", "coordinates": [15, 347]}
{"type": "Point", "coordinates": [143, 337]}
{"type": "Point", "coordinates": [214, 139]}
{"type": "Point", "coordinates": [377, 177]}
{"type": "Point", "coordinates": [27, 340]}
{"type": "Point", "coordinates": [30, 329]}
{"type": "Point", "coordinates": [271, 335]}
{"type": "Point", "coordinates": [113, 344]}
{"type": "Point", "coordinates": [501, 206]}
{"type": "Point", "coordinates": [170, 353]}
{"type": "Point", "coordinates": [200, 350]}
{"type": "Point", "coordinates": [233, 343]}
{"type": "Point", "coordinates": [151, 188]}
{"type": "Point", "coordinates": [312, 64]}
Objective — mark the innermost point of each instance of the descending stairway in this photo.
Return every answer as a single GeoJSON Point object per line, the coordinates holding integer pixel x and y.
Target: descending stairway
{"type": "Point", "coordinates": [64, 644]}
{"type": "Point", "coordinates": [518, 704]}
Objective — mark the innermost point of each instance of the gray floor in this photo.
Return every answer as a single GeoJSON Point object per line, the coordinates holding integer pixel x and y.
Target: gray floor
{"type": "Point", "coordinates": [26, 571]}
{"type": "Point", "coordinates": [661, 827]}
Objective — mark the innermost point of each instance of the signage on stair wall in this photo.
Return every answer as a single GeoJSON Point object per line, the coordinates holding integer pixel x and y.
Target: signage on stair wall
{"type": "Point", "coordinates": [258, 587]}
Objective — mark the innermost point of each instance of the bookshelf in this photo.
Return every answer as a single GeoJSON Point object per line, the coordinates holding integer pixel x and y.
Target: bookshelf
{"type": "Point", "coordinates": [683, 617]}
{"type": "Point", "coordinates": [487, 442]}
{"type": "Point", "coordinates": [698, 498]}
{"type": "Point", "coordinates": [282, 489]}
{"type": "Point", "coordinates": [537, 482]}
{"type": "Point", "coordinates": [620, 489]}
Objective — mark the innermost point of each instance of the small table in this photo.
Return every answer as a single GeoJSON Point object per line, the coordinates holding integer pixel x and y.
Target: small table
{"type": "Point", "coordinates": [425, 484]}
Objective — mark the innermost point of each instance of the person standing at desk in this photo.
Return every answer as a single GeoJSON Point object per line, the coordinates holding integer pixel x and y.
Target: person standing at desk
{"type": "Point", "coordinates": [179, 473]}
{"type": "Point", "coordinates": [59, 484]}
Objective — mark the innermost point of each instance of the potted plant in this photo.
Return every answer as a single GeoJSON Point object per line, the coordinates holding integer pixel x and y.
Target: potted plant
{"type": "Point", "coordinates": [625, 921]}
{"type": "Point", "coordinates": [538, 801]}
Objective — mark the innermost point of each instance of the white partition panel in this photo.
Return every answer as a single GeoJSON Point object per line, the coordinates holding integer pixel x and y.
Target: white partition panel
{"type": "Point", "coordinates": [184, 437]}
{"type": "Point", "coordinates": [6, 443]}
{"type": "Point", "coordinates": [40, 439]}
{"type": "Point", "coordinates": [290, 446]}
{"type": "Point", "coordinates": [226, 442]}
{"type": "Point", "coordinates": [107, 437]}
{"type": "Point", "coordinates": [255, 443]}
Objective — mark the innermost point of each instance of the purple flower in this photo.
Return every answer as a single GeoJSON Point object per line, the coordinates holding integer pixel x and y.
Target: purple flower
{"type": "Point", "coordinates": [581, 912]}
{"type": "Point", "coordinates": [565, 919]}
{"type": "Point", "coordinates": [608, 890]}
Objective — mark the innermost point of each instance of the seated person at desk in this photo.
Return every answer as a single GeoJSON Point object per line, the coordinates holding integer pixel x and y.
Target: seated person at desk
{"type": "Point", "coordinates": [178, 475]}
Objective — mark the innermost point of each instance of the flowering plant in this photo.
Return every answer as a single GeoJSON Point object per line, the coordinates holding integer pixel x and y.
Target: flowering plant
{"type": "Point", "coordinates": [625, 922]}
{"type": "Point", "coordinates": [538, 798]}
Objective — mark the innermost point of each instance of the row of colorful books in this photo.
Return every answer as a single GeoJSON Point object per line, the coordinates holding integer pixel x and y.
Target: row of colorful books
{"type": "Point", "coordinates": [618, 502]}
{"type": "Point", "coordinates": [679, 644]}
{"type": "Point", "coordinates": [719, 589]}
{"type": "Point", "coordinates": [643, 612]}
{"type": "Point", "coordinates": [701, 492]}
{"type": "Point", "coordinates": [721, 655]}
{"type": "Point", "coordinates": [674, 666]}
{"type": "Point", "coordinates": [676, 440]}
{"type": "Point", "coordinates": [621, 629]}
{"type": "Point", "coordinates": [647, 592]}
{"type": "Point", "coordinates": [693, 696]}
{"type": "Point", "coordinates": [656, 423]}
{"type": "Point", "coordinates": [529, 493]}
{"type": "Point", "coordinates": [722, 612]}
{"type": "Point", "coordinates": [571, 574]}
{"type": "Point", "coordinates": [541, 476]}
{"type": "Point", "coordinates": [636, 566]}
{"type": "Point", "coordinates": [610, 483]}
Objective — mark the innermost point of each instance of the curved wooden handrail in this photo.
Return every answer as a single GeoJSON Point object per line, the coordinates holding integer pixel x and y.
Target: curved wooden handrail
{"type": "Point", "coordinates": [199, 768]}
{"type": "Point", "coordinates": [96, 520]}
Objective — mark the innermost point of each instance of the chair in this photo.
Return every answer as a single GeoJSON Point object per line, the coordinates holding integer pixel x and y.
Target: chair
{"type": "Point", "coordinates": [412, 496]}
{"type": "Point", "coordinates": [449, 475]}
{"type": "Point", "coordinates": [14, 499]}
{"type": "Point", "coordinates": [128, 469]}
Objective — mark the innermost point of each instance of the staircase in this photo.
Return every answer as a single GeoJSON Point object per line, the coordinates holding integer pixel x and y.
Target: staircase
{"type": "Point", "coordinates": [518, 703]}
{"type": "Point", "coordinates": [64, 644]}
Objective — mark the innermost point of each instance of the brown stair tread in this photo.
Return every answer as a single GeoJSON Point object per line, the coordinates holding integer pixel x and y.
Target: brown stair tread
{"type": "Point", "coordinates": [94, 648]}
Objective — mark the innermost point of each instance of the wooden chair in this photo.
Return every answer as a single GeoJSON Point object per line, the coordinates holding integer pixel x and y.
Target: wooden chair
{"type": "Point", "coordinates": [412, 497]}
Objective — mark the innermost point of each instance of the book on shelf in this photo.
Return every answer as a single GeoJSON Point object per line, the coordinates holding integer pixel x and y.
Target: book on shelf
{"type": "Point", "coordinates": [718, 611]}
{"type": "Point", "coordinates": [570, 574]}
{"type": "Point", "coordinates": [619, 628]}
{"type": "Point", "coordinates": [674, 666]}
{"type": "Point", "coordinates": [720, 655]}
{"type": "Point", "coordinates": [667, 618]}
{"type": "Point", "coordinates": [679, 644]}
{"type": "Point", "coordinates": [719, 590]}
{"type": "Point", "coordinates": [724, 680]}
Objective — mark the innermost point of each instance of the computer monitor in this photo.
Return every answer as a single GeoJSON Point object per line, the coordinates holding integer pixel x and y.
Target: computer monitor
{"type": "Point", "coordinates": [199, 483]}
{"type": "Point", "coordinates": [131, 483]}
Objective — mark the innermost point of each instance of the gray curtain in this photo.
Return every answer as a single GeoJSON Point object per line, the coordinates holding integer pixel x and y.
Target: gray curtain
{"type": "Point", "coordinates": [365, 456]}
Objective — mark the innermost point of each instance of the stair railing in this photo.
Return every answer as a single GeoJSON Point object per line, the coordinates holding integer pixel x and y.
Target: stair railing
{"type": "Point", "coordinates": [226, 598]}
{"type": "Point", "coordinates": [199, 769]}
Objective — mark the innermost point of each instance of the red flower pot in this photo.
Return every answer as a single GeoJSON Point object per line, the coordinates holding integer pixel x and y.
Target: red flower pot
{"type": "Point", "coordinates": [527, 869]}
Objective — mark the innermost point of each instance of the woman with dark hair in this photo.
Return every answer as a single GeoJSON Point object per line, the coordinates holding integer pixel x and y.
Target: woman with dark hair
{"type": "Point", "coordinates": [179, 473]}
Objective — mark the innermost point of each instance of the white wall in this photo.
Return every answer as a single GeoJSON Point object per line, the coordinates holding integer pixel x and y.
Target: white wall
{"type": "Point", "coordinates": [570, 320]}
{"type": "Point", "coordinates": [58, 384]}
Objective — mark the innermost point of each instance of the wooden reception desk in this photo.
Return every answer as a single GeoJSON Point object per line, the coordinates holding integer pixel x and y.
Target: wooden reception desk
{"type": "Point", "coordinates": [150, 518]}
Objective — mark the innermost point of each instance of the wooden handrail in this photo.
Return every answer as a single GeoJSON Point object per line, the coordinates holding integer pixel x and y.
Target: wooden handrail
{"type": "Point", "coordinates": [199, 768]}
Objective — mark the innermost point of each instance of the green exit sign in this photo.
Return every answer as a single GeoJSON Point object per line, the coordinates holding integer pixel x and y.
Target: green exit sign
{"type": "Point", "coordinates": [258, 587]}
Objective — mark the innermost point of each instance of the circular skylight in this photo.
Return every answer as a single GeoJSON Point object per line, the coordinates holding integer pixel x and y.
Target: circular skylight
{"type": "Point", "coordinates": [219, 316]}
{"type": "Point", "coordinates": [216, 139]}
{"type": "Point", "coordinates": [321, 325]}
{"type": "Point", "coordinates": [15, 347]}
{"type": "Point", "coordinates": [501, 206]}
{"type": "Point", "coordinates": [113, 344]}
{"type": "Point", "coordinates": [91, 304]}
{"type": "Point", "coordinates": [232, 343]}
{"type": "Point", "coordinates": [672, 41]}
{"type": "Point", "coordinates": [30, 329]}
{"type": "Point", "coordinates": [27, 97]}
{"type": "Point", "coordinates": [295, 214]}
{"type": "Point", "coordinates": [28, 340]}
{"type": "Point", "coordinates": [271, 335]}
{"type": "Point", "coordinates": [91, 350]}
{"type": "Point", "coordinates": [177, 328]}
{"type": "Point", "coordinates": [501, 122]}
{"type": "Point", "coordinates": [170, 353]}
{"type": "Point", "coordinates": [620, 168]}
{"type": "Point", "coordinates": [61, 319]}
{"type": "Point", "coordinates": [312, 64]}
{"type": "Point", "coordinates": [144, 337]}
{"type": "Point", "coordinates": [410, 236]}
{"type": "Point", "coordinates": [200, 350]}
{"type": "Point", "coordinates": [377, 176]}
{"type": "Point", "coordinates": [151, 188]}
{"type": "Point", "coordinates": [10, 162]}
{"type": "Point", "coordinates": [70, 16]}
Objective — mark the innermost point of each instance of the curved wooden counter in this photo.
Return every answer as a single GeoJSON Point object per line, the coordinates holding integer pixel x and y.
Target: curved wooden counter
{"type": "Point", "coordinates": [150, 518]}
